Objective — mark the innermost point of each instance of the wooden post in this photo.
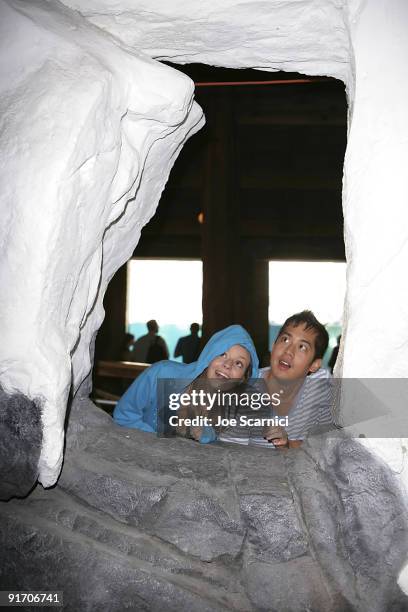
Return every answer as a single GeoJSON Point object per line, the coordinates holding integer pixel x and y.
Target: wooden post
{"type": "Point", "coordinates": [220, 230]}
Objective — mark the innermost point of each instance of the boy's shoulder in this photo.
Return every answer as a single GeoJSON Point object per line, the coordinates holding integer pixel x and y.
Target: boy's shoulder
{"type": "Point", "coordinates": [321, 373]}
{"type": "Point", "coordinates": [317, 386]}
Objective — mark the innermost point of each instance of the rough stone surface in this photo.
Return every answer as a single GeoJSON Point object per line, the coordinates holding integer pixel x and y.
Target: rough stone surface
{"type": "Point", "coordinates": [20, 444]}
{"type": "Point", "coordinates": [142, 523]}
{"type": "Point", "coordinates": [297, 585]}
{"type": "Point", "coordinates": [350, 505]}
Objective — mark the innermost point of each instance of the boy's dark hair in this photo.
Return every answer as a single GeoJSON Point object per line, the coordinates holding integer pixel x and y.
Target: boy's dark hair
{"type": "Point", "coordinates": [307, 318]}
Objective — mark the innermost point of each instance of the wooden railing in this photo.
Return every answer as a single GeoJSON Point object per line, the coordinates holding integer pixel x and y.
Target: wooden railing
{"type": "Point", "coordinates": [120, 374]}
{"type": "Point", "coordinates": [120, 369]}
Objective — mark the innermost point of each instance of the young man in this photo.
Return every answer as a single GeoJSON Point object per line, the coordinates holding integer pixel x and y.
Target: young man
{"type": "Point", "coordinates": [295, 373]}
{"type": "Point", "coordinates": [296, 377]}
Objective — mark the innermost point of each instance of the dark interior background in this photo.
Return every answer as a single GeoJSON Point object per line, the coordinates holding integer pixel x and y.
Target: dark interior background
{"type": "Point", "coordinates": [266, 172]}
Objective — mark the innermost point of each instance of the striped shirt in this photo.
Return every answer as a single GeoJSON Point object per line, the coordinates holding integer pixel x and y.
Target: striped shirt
{"type": "Point", "coordinates": [311, 408]}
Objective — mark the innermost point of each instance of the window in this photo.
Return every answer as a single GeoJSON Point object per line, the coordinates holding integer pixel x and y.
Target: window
{"type": "Point", "coordinates": [168, 290]}
{"type": "Point", "coordinates": [307, 285]}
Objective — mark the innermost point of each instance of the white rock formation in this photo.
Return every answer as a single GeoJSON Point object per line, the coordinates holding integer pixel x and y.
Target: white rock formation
{"type": "Point", "coordinates": [376, 218]}
{"type": "Point", "coordinates": [376, 226]}
{"type": "Point", "coordinates": [89, 124]}
{"type": "Point", "coordinates": [90, 131]}
{"type": "Point", "coordinates": [376, 194]}
{"type": "Point", "coordinates": [362, 43]}
{"type": "Point", "coordinates": [309, 36]}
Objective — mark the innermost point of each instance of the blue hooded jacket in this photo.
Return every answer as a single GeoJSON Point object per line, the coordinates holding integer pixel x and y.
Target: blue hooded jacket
{"type": "Point", "coordinates": [138, 407]}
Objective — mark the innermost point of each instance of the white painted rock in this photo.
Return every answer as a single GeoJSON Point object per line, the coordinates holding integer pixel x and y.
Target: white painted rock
{"type": "Point", "coordinates": [309, 37]}
{"type": "Point", "coordinates": [83, 121]}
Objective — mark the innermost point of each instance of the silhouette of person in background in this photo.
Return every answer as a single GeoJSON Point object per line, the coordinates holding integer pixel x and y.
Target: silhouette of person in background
{"type": "Point", "coordinates": [151, 347]}
{"type": "Point", "coordinates": [188, 347]}
{"type": "Point", "coordinates": [333, 356]}
{"type": "Point", "coordinates": [126, 353]}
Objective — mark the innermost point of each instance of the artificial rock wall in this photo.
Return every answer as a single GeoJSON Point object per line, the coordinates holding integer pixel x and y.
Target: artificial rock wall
{"type": "Point", "coordinates": [311, 36]}
{"type": "Point", "coordinates": [91, 127]}
{"type": "Point", "coordinates": [144, 524]}
{"type": "Point", "coordinates": [90, 130]}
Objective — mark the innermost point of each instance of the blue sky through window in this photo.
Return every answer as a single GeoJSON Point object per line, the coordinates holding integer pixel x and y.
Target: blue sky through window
{"type": "Point", "coordinates": [167, 290]}
{"type": "Point", "coordinates": [170, 291]}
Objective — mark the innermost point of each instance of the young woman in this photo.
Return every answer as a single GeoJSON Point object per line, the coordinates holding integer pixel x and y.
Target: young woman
{"type": "Point", "coordinates": [228, 357]}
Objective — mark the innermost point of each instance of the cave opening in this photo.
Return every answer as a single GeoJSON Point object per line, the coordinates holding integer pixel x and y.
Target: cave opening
{"type": "Point", "coordinates": [260, 182]}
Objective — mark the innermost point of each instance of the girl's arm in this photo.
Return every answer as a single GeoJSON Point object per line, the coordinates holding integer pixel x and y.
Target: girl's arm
{"type": "Point", "coordinates": [136, 408]}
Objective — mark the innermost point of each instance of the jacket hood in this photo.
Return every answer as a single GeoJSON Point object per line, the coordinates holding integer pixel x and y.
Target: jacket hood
{"type": "Point", "coordinates": [221, 342]}
{"type": "Point", "coordinates": [218, 343]}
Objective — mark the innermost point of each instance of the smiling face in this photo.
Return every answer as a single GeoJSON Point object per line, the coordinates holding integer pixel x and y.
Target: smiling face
{"type": "Point", "coordinates": [293, 353]}
{"type": "Point", "coordinates": [231, 365]}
